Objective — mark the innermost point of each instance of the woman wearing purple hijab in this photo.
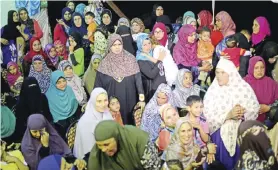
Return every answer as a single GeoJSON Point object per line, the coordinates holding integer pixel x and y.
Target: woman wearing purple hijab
{"type": "Point", "coordinates": [185, 52]}
{"type": "Point", "coordinates": [265, 88]}
{"type": "Point", "coordinates": [40, 140]}
{"type": "Point", "coordinates": [262, 44]}
{"type": "Point", "coordinates": [51, 53]}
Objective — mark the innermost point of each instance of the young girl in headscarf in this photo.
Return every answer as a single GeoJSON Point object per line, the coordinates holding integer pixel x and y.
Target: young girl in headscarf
{"type": "Point", "coordinates": [14, 77]}
{"type": "Point", "coordinates": [74, 82]}
{"type": "Point", "coordinates": [114, 107]}
{"type": "Point", "coordinates": [51, 53]}
{"type": "Point", "coordinates": [76, 53]}
{"type": "Point", "coordinates": [61, 49]}
{"type": "Point", "coordinates": [40, 71]}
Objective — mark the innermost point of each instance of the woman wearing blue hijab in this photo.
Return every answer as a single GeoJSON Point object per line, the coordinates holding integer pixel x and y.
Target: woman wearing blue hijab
{"type": "Point", "coordinates": [80, 8]}
{"type": "Point", "coordinates": [152, 69]}
{"type": "Point", "coordinates": [62, 102]}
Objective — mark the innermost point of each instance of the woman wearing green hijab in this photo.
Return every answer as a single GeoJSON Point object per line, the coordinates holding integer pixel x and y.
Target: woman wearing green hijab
{"type": "Point", "coordinates": [122, 148]}
{"type": "Point", "coordinates": [7, 122]}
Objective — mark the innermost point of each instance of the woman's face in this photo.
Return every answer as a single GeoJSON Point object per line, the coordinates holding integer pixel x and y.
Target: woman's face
{"type": "Point", "coordinates": [15, 17]}
{"type": "Point", "coordinates": [159, 11]}
{"type": "Point", "coordinates": [72, 42]}
{"type": "Point", "coordinates": [191, 38]}
{"type": "Point", "coordinates": [37, 133]}
{"type": "Point", "coordinates": [61, 84]}
{"type": "Point", "coordinates": [37, 46]}
{"type": "Point", "coordinates": [194, 24]}
{"type": "Point", "coordinates": [158, 34]}
{"type": "Point", "coordinates": [161, 98]}
{"type": "Point", "coordinates": [256, 27]}
{"type": "Point", "coordinates": [185, 133]}
{"type": "Point", "coordinates": [102, 102]}
{"type": "Point", "coordinates": [12, 70]}
{"type": "Point", "coordinates": [77, 21]}
{"type": "Point", "coordinates": [114, 105]}
{"type": "Point", "coordinates": [199, 21]}
{"type": "Point", "coordinates": [68, 71]}
{"type": "Point", "coordinates": [108, 146]}
{"type": "Point", "coordinates": [187, 80]}
{"type": "Point", "coordinates": [52, 52]}
{"type": "Point", "coordinates": [222, 77]}
{"type": "Point", "coordinates": [117, 47]}
{"type": "Point", "coordinates": [146, 46]}
{"type": "Point", "coordinates": [136, 27]}
{"type": "Point", "coordinates": [59, 48]}
{"type": "Point", "coordinates": [218, 24]}
{"type": "Point", "coordinates": [67, 15]}
{"type": "Point", "coordinates": [23, 15]}
{"type": "Point", "coordinates": [171, 117]}
{"type": "Point", "coordinates": [38, 65]}
{"type": "Point", "coordinates": [95, 63]}
{"type": "Point", "coordinates": [71, 6]}
{"type": "Point", "coordinates": [259, 70]}
{"type": "Point", "coordinates": [106, 19]}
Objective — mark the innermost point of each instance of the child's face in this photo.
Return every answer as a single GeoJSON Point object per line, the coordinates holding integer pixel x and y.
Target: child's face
{"type": "Point", "coordinates": [196, 109]}
{"type": "Point", "coordinates": [135, 27]}
{"type": "Point", "coordinates": [205, 36]}
{"type": "Point", "coordinates": [52, 52]}
{"type": "Point", "coordinates": [95, 63]}
{"type": "Point", "coordinates": [171, 118]}
{"type": "Point", "coordinates": [89, 19]}
{"type": "Point", "coordinates": [146, 46]}
{"type": "Point", "coordinates": [114, 105]}
{"type": "Point", "coordinates": [12, 70]}
{"type": "Point", "coordinates": [187, 80]}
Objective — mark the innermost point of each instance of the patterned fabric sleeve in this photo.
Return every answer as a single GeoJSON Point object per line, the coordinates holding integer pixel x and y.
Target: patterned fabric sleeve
{"type": "Point", "coordinates": [253, 106]}
{"type": "Point", "coordinates": [150, 159]}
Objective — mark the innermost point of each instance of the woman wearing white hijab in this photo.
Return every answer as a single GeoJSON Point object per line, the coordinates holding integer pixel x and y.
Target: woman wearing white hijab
{"type": "Point", "coordinates": [96, 111]}
{"type": "Point", "coordinates": [228, 101]}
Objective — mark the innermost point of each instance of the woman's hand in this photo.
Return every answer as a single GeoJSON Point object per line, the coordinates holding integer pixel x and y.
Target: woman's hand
{"type": "Point", "coordinates": [4, 41]}
{"type": "Point", "coordinates": [141, 97]}
{"type": "Point", "coordinates": [45, 139]}
{"type": "Point", "coordinates": [71, 48]}
{"type": "Point", "coordinates": [211, 148]}
{"type": "Point", "coordinates": [210, 158]}
{"type": "Point", "coordinates": [80, 164]}
{"type": "Point", "coordinates": [237, 112]}
{"type": "Point", "coordinates": [264, 108]}
{"type": "Point", "coordinates": [161, 55]}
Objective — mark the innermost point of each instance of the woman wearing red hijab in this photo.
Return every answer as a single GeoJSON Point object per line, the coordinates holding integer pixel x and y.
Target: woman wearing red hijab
{"type": "Point", "coordinates": [35, 49]}
{"type": "Point", "coordinates": [204, 20]}
{"type": "Point", "coordinates": [160, 34]}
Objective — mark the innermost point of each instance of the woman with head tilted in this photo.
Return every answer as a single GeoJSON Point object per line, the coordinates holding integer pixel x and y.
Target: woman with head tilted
{"type": "Point", "coordinates": [62, 27]}
{"type": "Point", "coordinates": [119, 74]}
{"type": "Point", "coordinates": [122, 147]}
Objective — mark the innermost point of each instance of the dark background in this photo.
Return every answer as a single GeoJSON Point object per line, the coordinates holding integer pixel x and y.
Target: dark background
{"type": "Point", "coordinates": [242, 12]}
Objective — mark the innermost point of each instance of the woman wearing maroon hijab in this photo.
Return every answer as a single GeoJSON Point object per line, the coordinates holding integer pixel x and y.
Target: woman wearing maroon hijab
{"type": "Point", "coordinates": [265, 88]}
{"type": "Point", "coordinates": [35, 49]}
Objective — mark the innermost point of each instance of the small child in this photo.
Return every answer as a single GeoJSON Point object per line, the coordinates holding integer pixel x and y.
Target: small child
{"type": "Point", "coordinates": [205, 48]}
{"type": "Point", "coordinates": [205, 51]}
{"type": "Point", "coordinates": [92, 25]}
{"type": "Point", "coordinates": [14, 78]}
{"type": "Point", "coordinates": [169, 117]}
{"type": "Point", "coordinates": [195, 109]}
{"type": "Point", "coordinates": [114, 106]}
{"type": "Point", "coordinates": [233, 51]}
{"type": "Point", "coordinates": [51, 53]}
{"type": "Point", "coordinates": [61, 49]}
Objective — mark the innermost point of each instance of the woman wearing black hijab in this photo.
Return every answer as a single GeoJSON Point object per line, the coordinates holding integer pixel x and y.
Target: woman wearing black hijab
{"type": "Point", "coordinates": [128, 42]}
{"type": "Point", "coordinates": [10, 37]}
{"type": "Point", "coordinates": [106, 20]}
{"type": "Point", "coordinates": [150, 21]}
{"type": "Point", "coordinates": [31, 100]}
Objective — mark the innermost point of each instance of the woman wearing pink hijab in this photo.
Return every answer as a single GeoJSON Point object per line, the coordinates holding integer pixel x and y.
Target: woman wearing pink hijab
{"type": "Point", "coordinates": [185, 51]}
{"type": "Point", "coordinates": [265, 88]}
{"type": "Point", "coordinates": [262, 44]}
